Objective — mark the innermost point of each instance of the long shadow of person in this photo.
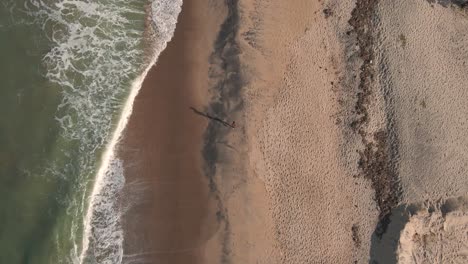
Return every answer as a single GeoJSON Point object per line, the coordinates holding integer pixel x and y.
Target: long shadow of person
{"type": "Point", "coordinates": [217, 119]}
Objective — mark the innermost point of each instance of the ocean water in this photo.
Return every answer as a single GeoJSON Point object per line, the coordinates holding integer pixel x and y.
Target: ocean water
{"type": "Point", "coordinates": [69, 73]}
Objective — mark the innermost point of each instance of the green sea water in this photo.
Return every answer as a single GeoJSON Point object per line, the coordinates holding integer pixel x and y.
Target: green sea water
{"type": "Point", "coordinates": [29, 203]}
{"type": "Point", "coordinates": [69, 72]}
{"type": "Point", "coordinates": [65, 70]}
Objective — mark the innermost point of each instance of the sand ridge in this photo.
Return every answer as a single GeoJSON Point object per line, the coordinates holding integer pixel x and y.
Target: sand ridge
{"type": "Point", "coordinates": [435, 236]}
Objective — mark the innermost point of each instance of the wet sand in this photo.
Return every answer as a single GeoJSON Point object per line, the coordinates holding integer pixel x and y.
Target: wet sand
{"type": "Point", "coordinates": [171, 211]}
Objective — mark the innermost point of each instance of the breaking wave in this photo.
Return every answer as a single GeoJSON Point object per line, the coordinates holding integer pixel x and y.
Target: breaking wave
{"type": "Point", "coordinates": [100, 54]}
{"type": "Point", "coordinates": [102, 222]}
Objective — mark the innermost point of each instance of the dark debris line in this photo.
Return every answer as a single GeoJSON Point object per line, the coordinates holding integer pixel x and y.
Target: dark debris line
{"type": "Point", "coordinates": [377, 162]}
{"type": "Point", "coordinates": [228, 100]}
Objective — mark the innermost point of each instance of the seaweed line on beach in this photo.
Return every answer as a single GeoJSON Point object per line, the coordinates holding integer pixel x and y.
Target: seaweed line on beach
{"type": "Point", "coordinates": [377, 161]}
{"type": "Point", "coordinates": [226, 101]}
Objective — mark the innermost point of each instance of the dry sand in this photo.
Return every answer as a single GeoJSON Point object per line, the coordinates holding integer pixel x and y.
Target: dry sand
{"type": "Point", "coordinates": [427, 75]}
{"type": "Point", "coordinates": [288, 189]}
{"type": "Point", "coordinates": [422, 55]}
{"type": "Point", "coordinates": [350, 144]}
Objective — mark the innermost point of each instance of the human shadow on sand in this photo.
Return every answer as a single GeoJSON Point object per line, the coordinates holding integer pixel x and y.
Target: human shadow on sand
{"type": "Point", "coordinates": [214, 118]}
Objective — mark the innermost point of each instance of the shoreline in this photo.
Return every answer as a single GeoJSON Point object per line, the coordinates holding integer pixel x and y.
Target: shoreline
{"type": "Point", "coordinates": [110, 165]}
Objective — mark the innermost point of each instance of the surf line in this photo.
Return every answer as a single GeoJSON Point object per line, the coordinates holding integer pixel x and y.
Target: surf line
{"type": "Point", "coordinates": [109, 155]}
{"type": "Point", "coordinates": [109, 152]}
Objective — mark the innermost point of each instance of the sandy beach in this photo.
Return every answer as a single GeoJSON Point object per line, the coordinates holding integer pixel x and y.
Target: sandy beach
{"type": "Point", "coordinates": [349, 139]}
{"type": "Point", "coordinates": [171, 211]}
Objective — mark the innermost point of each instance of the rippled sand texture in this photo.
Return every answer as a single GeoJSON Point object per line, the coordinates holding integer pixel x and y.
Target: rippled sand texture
{"type": "Point", "coordinates": [423, 54]}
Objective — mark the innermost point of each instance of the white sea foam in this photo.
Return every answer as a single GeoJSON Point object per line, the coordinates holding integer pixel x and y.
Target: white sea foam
{"type": "Point", "coordinates": [98, 62]}
{"type": "Point", "coordinates": [102, 220]}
